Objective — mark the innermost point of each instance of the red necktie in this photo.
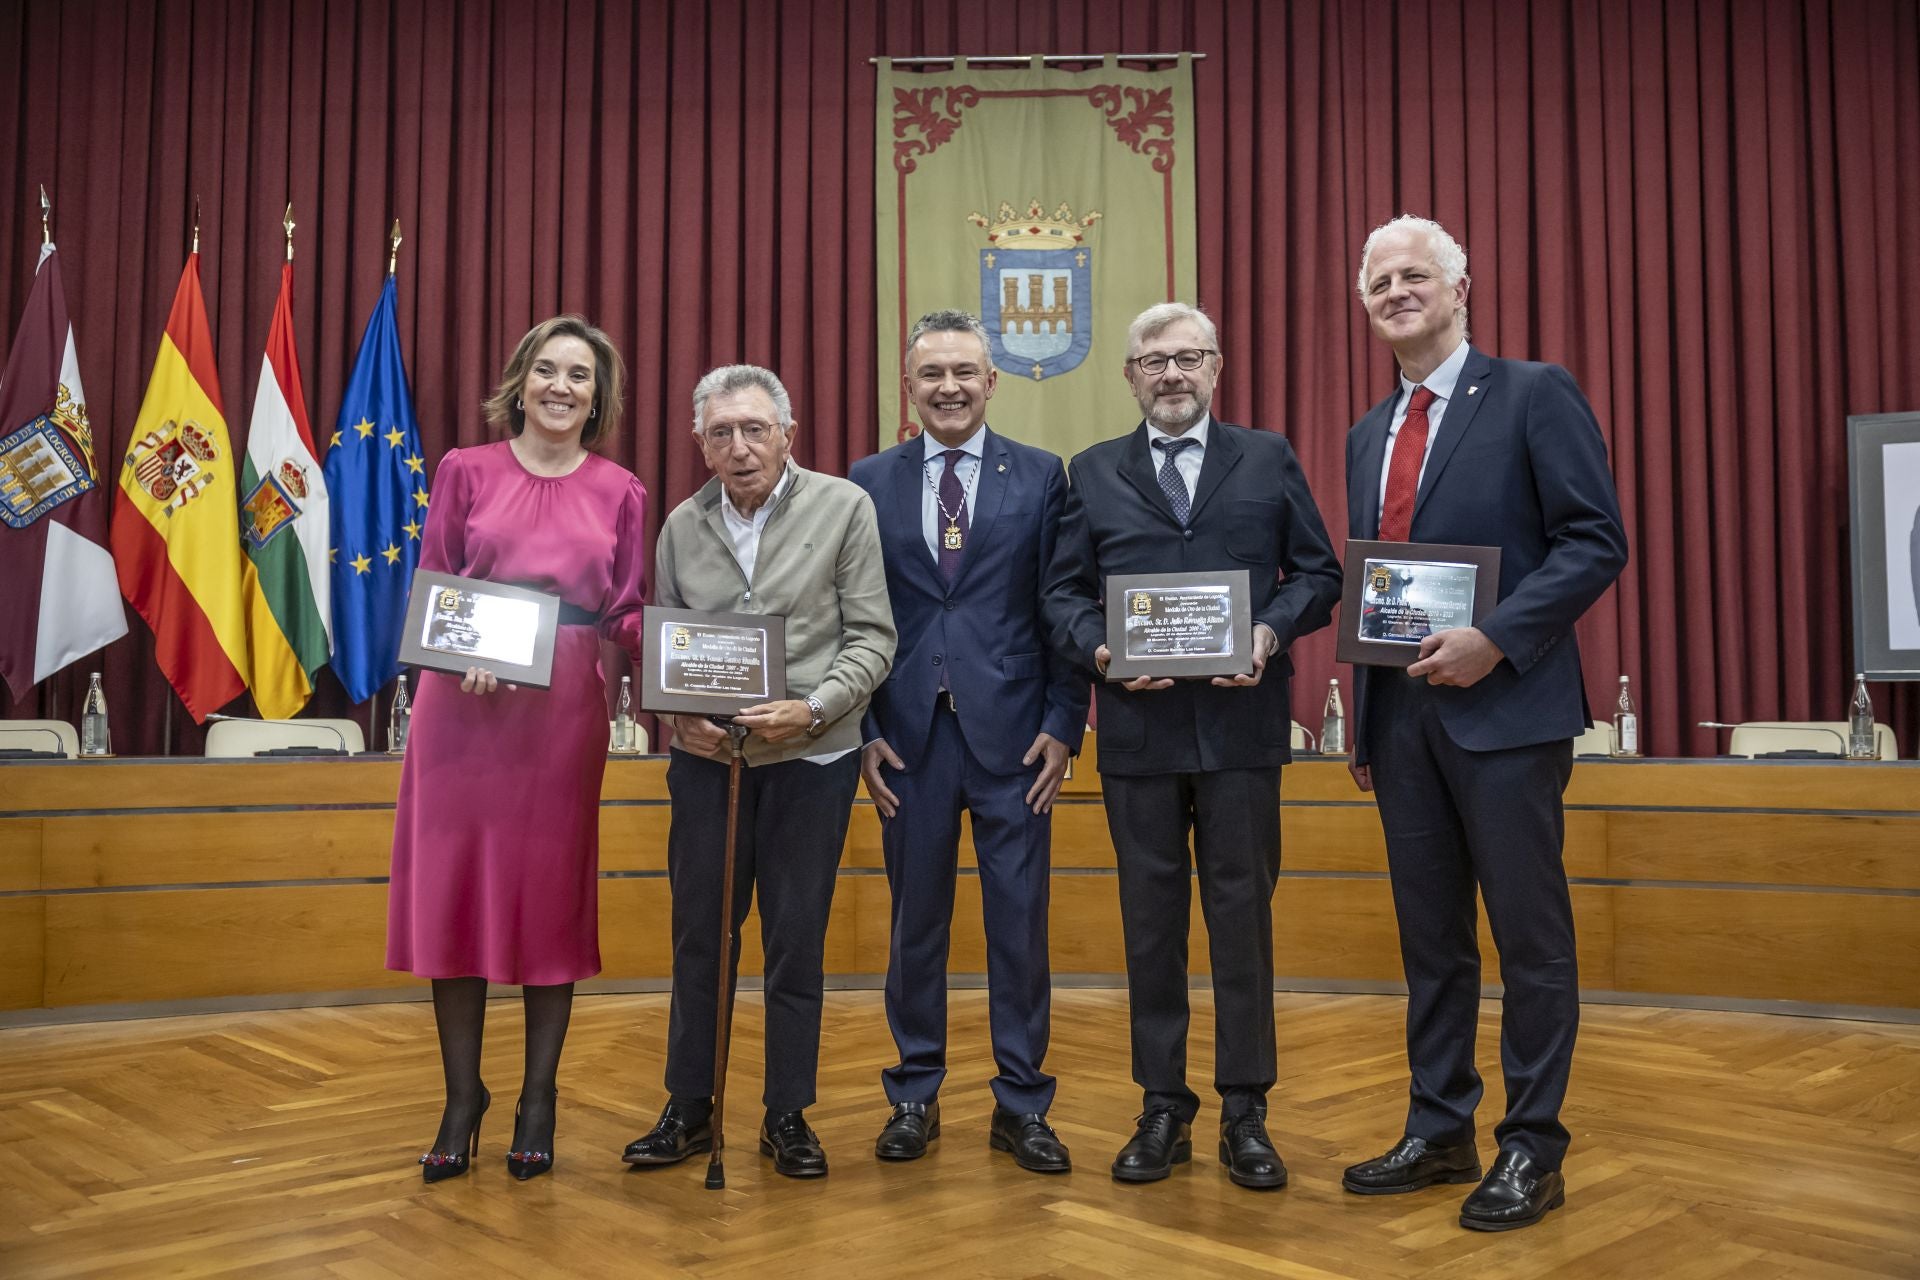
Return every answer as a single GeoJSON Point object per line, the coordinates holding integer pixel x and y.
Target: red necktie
{"type": "Point", "coordinates": [1403, 473]}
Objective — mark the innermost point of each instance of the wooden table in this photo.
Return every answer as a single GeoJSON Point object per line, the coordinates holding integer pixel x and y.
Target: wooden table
{"type": "Point", "coordinates": [132, 881]}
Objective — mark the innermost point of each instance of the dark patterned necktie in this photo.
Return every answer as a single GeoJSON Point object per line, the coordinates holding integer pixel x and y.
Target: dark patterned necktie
{"type": "Point", "coordinates": [1172, 483]}
{"type": "Point", "coordinates": [951, 532]}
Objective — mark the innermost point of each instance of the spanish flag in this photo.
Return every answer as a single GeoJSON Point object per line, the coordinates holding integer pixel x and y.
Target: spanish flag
{"type": "Point", "coordinates": [176, 543]}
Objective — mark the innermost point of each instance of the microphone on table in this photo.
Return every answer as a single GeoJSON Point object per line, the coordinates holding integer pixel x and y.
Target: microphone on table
{"type": "Point", "coordinates": [34, 753]}
{"type": "Point", "coordinates": [341, 750]}
{"type": "Point", "coordinates": [1796, 753]}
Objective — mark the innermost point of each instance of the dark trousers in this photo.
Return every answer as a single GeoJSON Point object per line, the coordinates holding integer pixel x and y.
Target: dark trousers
{"type": "Point", "coordinates": [1011, 845]}
{"type": "Point", "coordinates": [793, 825]}
{"type": "Point", "coordinates": [1234, 818]}
{"type": "Point", "coordinates": [1455, 819]}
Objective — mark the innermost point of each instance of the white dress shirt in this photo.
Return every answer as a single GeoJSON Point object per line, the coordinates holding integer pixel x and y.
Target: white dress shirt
{"type": "Point", "coordinates": [1441, 382]}
{"type": "Point", "coordinates": [1186, 461]}
{"type": "Point", "coordinates": [973, 452]}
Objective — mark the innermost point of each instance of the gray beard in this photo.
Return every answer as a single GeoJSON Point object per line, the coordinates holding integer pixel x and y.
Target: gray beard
{"type": "Point", "coordinates": [1163, 417]}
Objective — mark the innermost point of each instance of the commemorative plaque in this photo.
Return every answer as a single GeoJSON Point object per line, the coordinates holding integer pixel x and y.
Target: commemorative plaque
{"type": "Point", "coordinates": [711, 664]}
{"type": "Point", "coordinates": [1399, 593]}
{"type": "Point", "coordinates": [454, 623]}
{"type": "Point", "coordinates": [1179, 625]}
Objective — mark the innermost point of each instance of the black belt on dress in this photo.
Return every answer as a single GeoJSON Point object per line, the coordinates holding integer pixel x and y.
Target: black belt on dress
{"type": "Point", "coordinates": [572, 615]}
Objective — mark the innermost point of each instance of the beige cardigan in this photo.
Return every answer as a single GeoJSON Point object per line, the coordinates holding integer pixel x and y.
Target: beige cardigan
{"type": "Point", "coordinates": [820, 568]}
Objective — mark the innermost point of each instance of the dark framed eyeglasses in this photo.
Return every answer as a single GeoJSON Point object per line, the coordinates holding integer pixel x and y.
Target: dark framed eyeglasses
{"type": "Point", "coordinates": [720, 435]}
{"type": "Point", "coordinates": [1189, 360]}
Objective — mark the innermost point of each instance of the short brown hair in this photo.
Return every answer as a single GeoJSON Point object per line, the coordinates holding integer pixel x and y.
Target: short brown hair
{"type": "Point", "coordinates": [609, 378]}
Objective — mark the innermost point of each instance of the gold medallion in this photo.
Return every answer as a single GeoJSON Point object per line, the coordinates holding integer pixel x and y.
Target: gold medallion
{"type": "Point", "coordinates": [951, 540]}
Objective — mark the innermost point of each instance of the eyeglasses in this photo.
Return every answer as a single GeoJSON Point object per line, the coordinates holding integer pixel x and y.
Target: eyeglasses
{"type": "Point", "coordinates": [721, 435]}
{"type": "Point", "coordinates": [1189, 360]}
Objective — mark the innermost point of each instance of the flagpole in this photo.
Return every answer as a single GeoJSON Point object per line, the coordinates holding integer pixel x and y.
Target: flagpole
{"type": "Point", "coordinates": [196, 226]}
{"type": "Point", "coordinates": [373, 704]}
{"type": "Point", "coordinates": [288, 223]}
{"type": "Point", "coordinates": [51, 687]}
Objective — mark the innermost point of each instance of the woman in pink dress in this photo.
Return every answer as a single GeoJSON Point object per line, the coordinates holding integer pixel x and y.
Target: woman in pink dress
{"type": "Point", "coordinates": [496, 835]}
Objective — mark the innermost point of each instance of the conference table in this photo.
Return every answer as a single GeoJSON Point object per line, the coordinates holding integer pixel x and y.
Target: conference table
{"type": "Point", "coordinates": [134, 886]}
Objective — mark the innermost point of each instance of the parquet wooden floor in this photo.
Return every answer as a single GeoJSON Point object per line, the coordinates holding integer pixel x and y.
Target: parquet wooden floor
{"type": "Point", "coordinates": [1706, 1145]}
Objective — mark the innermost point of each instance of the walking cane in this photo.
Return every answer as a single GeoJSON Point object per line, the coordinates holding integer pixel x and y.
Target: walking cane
{"type": "Point", "coordinates": [723, 999]}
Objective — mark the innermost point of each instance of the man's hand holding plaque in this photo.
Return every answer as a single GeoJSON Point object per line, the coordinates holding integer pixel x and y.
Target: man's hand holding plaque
{"type": "Point", "coordinates": [1264, 644]}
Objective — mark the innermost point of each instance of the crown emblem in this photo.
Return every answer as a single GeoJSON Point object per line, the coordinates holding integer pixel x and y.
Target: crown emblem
{"type": "Point", "coordinates": [1011, 229]}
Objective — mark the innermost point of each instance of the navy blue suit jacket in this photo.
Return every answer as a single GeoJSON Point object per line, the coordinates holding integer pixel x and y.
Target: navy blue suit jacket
{"type": "Point", "coordinates": [1519, 464]}
{"type": "Point", "coordinates": [985, 631]}
{"type": "Point", "coordinates": [1251, 510]}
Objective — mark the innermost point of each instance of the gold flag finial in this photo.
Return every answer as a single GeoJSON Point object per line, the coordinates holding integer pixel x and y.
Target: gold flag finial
{"type": "Point", "coordinates": [46, 217]}
{"type": "Point", "coordinates": [196, 224]}
{"type": "Point", "coordinates": [287, 222]}
{"type": "Point", "coordinates": [393, 247]}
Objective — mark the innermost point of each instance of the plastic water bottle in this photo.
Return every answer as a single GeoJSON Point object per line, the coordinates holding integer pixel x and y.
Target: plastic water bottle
{"type": "Point", "coordinates": [95, 737]}
{"type": "Point", "coordinates": [399, 719]}
{"type": "Point", "coordinates": [626, 737]}
{"type": "Point", "coordinates": [1333, 723]}
{"type": "Point", "coordinates": [1862, 742]}
{"type": "Point", "coordinates": [1626, 724]}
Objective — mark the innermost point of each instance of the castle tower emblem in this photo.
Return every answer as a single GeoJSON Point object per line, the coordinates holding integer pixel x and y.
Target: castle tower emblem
{"type": "Point", "coordinates": [1036, 288]}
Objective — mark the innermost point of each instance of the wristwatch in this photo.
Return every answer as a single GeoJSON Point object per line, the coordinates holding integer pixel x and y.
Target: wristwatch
{"type": "Point", "coordinates": [819, 721]}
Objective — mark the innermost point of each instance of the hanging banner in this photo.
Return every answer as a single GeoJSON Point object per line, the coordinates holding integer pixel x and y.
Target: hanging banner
{"type": "Point", "coordinates": [1056, 206]}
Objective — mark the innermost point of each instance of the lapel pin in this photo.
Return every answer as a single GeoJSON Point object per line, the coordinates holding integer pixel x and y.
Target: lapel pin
{"type": "Point", "coordinates": [1472, 389]}
{"type": "Point", "coordinates": [1001, 467]}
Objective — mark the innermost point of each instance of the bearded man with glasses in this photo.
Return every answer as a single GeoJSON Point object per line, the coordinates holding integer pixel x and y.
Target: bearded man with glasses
{"type": "Point", "coordinates": [1182, 493]}
{"type": "Point", "coordinates": [765, 536]}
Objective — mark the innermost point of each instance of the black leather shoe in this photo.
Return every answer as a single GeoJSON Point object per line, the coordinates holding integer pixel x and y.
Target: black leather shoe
{"type": "Point", "coordinates": [1161, 1141]}
{"type": "Point", "coordinates": [1515, 1193]}
{"type": "Point", "coordinates": [1248, 1153]}
{"type": "Point", "coordinates": [1031, 1140]}
{"type": "Point", "coordinates": [795, 1148]}
{"type": "Point", "coordinates": [685, 1128]}
{"type": "Point", "coordinates": [911, 1126]}
{"type": "Point", "coordinates": [1412, 1164]}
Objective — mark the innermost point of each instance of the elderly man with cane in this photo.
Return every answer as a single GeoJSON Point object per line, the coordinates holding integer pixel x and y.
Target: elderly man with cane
{"type": "Point", "coordinates": [764, 536]}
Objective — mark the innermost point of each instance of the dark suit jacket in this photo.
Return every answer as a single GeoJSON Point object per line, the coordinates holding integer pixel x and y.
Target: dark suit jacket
{"type": "Point", "coordinates": [1518, 464]}
{"type": "Point", "coordinates": [1251, 510]}
{"type": "Point", "coordinates": [985, 632]}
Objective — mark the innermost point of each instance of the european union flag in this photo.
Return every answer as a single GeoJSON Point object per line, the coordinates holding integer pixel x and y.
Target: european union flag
{"type": "Point", "coordinates": [377, 480]}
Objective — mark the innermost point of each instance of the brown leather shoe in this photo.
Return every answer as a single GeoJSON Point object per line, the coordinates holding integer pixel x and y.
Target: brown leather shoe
{"type": "Point", "coordinates": [1412, 1164]}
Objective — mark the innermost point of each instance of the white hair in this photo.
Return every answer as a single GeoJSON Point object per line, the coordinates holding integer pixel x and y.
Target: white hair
{"type": "Point", "coordinates": [741, 377]}
{"type": "Point", "coordinates": [1443, 248]}
{"type": "Point", "coordinates": [1164, 315]}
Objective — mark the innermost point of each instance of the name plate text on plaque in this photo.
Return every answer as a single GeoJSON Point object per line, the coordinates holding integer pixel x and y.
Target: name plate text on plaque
{"type": "Point", "coordinates": [1179, 625]}
{"type": "Point", "coordinates": [711, 664]}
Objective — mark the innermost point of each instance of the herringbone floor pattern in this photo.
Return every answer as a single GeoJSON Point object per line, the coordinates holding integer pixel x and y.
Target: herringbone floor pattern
{"type": "Point", "coordinates": [1706, 1145]}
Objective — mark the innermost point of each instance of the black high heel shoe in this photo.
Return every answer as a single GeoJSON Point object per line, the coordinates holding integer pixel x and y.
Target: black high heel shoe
{"type": "Point", "coordinates": [531, 1164]}
{"type": "Point", "coordinates": [437, 1166]}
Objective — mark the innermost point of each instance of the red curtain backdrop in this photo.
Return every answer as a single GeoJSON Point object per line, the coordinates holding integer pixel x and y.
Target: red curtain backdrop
{"type": "Point", "coordinates": [1703, 208]}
